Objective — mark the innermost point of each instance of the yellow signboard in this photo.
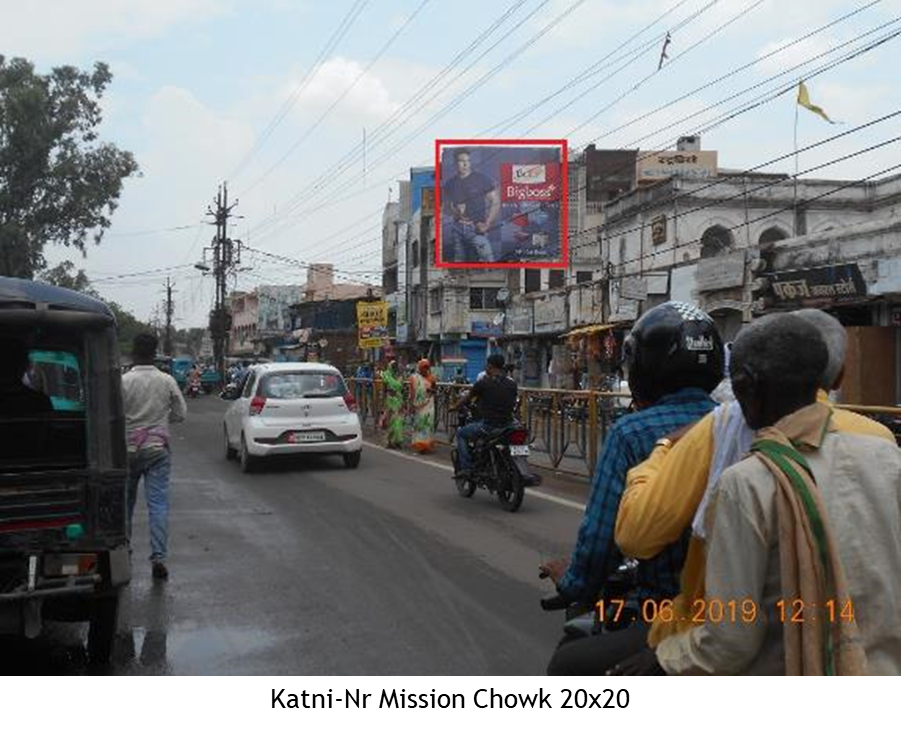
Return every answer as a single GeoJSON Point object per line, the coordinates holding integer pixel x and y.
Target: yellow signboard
{"type": "Point", "coordinates": [372, 324]}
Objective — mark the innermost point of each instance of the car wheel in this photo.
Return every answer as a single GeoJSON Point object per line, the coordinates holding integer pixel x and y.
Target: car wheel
{"type": "Point", "coordinates": [352, 459]}
{"type": "Point", "coordinates": [248, 461]}
{"type": "Point", "coordinates": [230, 451]}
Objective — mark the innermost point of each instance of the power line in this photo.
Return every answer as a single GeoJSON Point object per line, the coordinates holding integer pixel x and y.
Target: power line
{"type": "Point", "coordinates": [333, 41]}
{"type": "Point", "coordinates": [313, 188]}
{"type": "Point", "coordinates": [409, 19]}
{"type": "Point", "coordinates": [769, 96]}
{"type": "Point", "coordinates": [717, 202]}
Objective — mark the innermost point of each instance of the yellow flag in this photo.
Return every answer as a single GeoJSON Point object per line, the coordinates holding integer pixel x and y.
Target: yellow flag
{"type": "Point", "coordinates": [804, 101]}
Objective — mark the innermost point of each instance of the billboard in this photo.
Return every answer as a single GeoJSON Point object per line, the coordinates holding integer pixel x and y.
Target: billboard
{"type": "Point", "coordinates": [500, 203]}
{"type": "Point", "coordinates": [372, 324]}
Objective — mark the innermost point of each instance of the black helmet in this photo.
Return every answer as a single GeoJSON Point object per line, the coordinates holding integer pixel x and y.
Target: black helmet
{"type": "Point", "coordinates": [674, 345]}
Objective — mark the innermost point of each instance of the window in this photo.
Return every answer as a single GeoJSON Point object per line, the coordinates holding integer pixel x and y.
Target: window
{"type": "Point", "coordinates": [582, 277]}
{"type": "Point", "coordinates": [43, 413]}
{"type": "Point", "coordinates": [533, 280]}
{"type": "Point", "coordinates": [556, 278]}
{"type": "Point", "coordinates": [248, 385]}
{"type": "Point", "coordinates": [302, 385]}
{"type": "Point", "coordinates": [774, 233]}
{"type": "Point", "coordinates": [483, 298]}
{"type": "Point", "coordinates": [715, 240]}
{"type": "Point", "coordinates": [435, 300]}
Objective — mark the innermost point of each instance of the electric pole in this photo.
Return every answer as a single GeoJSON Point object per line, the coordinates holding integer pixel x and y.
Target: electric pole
{"type": "Point", "coordinates": [226, 255]}
{"type": "Point", "coordinates": [170, 310]}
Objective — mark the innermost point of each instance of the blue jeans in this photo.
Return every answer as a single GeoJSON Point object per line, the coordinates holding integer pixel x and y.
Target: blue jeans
{"type": "Point", "coordinates": [464, 434]}
{"type": "Point", "coordinates": [469, 245]}
{"type": "Point", "coordinates": [154, 467]}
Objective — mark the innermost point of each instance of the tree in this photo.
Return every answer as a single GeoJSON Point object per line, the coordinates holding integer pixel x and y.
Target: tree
{"type": "Point", "coordinates": [58, 182]}
{"type": "Point", "coordinates": [65, 275]}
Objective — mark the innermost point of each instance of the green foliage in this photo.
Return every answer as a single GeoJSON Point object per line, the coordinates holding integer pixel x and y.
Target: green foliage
{"type": "Point", "coordinates": [64, 275]}
{"type": "Point", "coordinates": [58, 182]}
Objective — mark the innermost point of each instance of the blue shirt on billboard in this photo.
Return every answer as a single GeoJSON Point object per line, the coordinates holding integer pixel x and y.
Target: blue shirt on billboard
{"type": "Point", "coordinates": [471, 192]}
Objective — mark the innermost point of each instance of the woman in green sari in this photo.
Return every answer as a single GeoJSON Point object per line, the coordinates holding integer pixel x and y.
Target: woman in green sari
{"type": "Point", "coordinates": [393, 419]}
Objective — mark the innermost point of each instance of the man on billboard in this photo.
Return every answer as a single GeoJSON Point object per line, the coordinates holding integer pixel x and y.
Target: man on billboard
{"type": "Point", "coordinates": [473, 201]}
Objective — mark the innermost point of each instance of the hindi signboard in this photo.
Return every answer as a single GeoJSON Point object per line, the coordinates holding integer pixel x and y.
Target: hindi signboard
{"type": "Point", "coordinates": [837, 283]}
{"type": "Point", "coordinates": [372, 324]}
{"type": "Point", "coordinates": [676, 164]}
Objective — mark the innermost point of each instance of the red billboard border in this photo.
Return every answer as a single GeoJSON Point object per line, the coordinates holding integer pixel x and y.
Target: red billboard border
{"type": "Point", "coordinates": [564, 207]}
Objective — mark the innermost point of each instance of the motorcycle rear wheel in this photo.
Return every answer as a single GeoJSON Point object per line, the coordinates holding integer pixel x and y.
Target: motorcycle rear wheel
{"type": "Point", "coordinates": [466, 488]}
{"type": "Point", "coordinates": [514, 491]}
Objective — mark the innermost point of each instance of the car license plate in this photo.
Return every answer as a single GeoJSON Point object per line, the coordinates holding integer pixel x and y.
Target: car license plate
{"type": "Point", "coordinates": [519, 450]}
{"type": "Point", "coordinates": [300, 437]}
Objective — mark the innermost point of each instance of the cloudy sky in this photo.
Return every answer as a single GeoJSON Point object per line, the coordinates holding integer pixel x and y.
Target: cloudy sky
{"type": "Point", "coordinates": [273, 96]}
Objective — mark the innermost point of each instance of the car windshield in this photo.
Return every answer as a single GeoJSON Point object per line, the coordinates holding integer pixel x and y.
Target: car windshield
{"type": "Point", "coordinates": [302, 385]}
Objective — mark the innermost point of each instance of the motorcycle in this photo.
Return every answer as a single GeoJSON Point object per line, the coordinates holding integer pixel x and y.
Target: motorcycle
{"type": "Point", "coordinates": [621, 608]}
{"type": "Point", "coordinates": [499, 465]}
{"type": "Point", "coordinates": [194, 389]}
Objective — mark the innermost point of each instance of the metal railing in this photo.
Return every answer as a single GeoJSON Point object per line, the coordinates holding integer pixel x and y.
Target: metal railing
{"type": "Point", "coordinates": [567, 427]}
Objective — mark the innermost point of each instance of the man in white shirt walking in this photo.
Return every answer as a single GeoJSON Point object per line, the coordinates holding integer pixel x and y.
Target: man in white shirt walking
{"type": "Point", "coordinates": [152, 401]}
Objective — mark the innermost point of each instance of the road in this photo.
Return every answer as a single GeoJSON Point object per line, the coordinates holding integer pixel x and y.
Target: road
{"type": "Point", "coordinates": [308, 568]}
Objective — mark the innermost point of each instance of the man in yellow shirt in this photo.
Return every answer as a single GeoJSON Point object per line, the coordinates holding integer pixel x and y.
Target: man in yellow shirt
{"type": "Point", "coordinates": [665, 495]}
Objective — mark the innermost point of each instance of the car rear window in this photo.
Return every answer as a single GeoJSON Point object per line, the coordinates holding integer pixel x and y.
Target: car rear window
{"type": "Point", "coordinates": [302, 385]}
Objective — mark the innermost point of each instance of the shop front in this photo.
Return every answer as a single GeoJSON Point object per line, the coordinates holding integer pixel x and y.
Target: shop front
{"type": "Point", "coordinates": [865, 309]}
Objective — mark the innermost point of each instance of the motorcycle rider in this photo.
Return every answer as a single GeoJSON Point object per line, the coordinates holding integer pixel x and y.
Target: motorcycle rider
{"type": "Point", "coordinates": [674, 359]}
{"type": "Point", "coordinates": [495, 396]}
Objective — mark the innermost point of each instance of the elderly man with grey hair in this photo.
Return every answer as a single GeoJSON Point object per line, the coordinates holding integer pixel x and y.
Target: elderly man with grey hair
{"type": "Point", "coordinates": [671, 490]}
{"type": "Point", "coordinates": [804, 535]}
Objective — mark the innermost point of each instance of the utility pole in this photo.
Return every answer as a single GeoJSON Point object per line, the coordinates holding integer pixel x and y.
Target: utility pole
{"type": "Point", "coordinates": [170, 310]}
{"type": "Point", "coordinates": [226, 255]}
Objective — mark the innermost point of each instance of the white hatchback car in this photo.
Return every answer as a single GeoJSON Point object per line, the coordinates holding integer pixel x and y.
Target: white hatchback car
{"type": "Point", "coordinates": [292, 408]}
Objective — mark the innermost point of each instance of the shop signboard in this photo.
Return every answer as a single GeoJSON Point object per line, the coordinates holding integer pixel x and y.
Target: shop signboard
{"type": "Point", "coordinates": [836, 283]}
{"type": "Point", "coordinates": [372, 324]}
{"type": "Point", "coordinates": [721, 272]}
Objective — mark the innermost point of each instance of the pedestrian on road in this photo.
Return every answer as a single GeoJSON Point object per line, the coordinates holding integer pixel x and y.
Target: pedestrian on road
{"type": "Point", "coordinates": [422, 399]}
{"type": "Point", "coordinates": [393, 418]}
{"type": "Point", "coordinates": [152, 400]}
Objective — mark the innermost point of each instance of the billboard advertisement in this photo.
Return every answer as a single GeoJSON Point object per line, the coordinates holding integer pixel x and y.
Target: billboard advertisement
{"type": "Point", "coordinates": [500, 203]}
{"type": "Point", "coordinates": [372, 324]}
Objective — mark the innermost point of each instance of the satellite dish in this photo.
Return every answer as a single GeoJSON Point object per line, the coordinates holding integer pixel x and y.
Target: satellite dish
{"type": "Point", "coordinates": [503, 294]}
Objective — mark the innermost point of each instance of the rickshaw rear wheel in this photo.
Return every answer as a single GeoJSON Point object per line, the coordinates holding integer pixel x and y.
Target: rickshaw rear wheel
{"type": "Point", "coordinates": [102, 629]}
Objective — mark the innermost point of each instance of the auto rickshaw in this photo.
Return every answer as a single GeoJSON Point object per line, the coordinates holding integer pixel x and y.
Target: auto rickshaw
{"type": "Point", "coordinates": [63, 504]}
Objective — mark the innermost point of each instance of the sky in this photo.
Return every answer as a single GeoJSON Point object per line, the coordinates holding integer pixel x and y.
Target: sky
{"type": "Point", "coordinates": [274, 97]}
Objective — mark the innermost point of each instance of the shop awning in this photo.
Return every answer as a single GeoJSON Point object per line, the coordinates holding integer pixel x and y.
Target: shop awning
{"type": "Point", "coordinates": [591, 329]}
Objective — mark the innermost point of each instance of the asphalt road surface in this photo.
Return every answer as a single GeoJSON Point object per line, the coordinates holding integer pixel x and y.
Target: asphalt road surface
{"type": "Point", "coordinates": [309, 568]}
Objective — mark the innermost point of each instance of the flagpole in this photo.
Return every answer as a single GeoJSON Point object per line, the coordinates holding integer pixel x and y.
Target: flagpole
{"type": "Point", "coordinates": [795, 192]}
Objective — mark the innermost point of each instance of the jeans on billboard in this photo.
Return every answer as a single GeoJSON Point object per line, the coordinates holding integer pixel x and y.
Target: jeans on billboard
{"type": "Point", "coordinates": [154, 466]}
{"type": "Point", "coordinates": [468, 244]}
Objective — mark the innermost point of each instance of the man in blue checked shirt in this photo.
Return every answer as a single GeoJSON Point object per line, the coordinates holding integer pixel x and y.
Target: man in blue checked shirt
{"type": "Point", "coordinates": [674, 358]}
